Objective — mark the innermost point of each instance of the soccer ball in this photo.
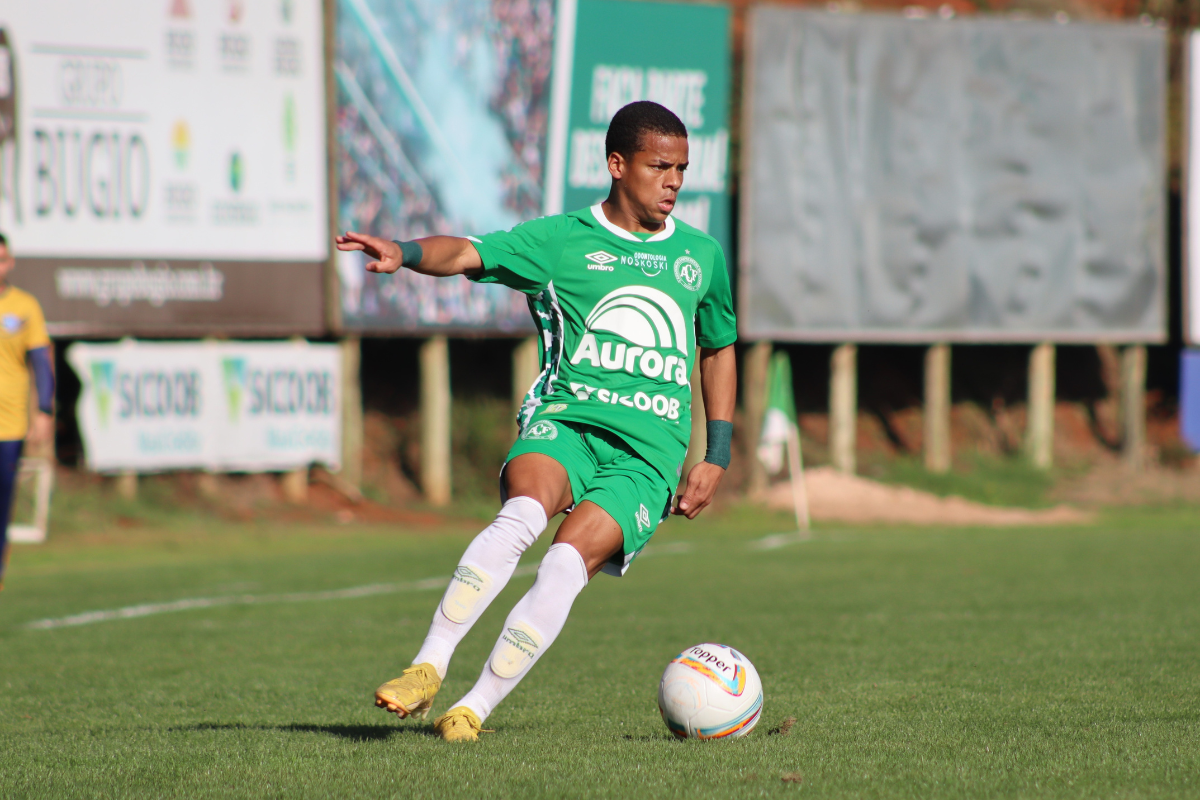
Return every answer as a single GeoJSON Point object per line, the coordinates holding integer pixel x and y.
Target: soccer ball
{"type": "Point", "coordinates": [710, 691]}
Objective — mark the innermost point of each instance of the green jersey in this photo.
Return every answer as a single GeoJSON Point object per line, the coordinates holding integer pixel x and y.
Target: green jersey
{"type": "Point", "coordinates": [620, 316]}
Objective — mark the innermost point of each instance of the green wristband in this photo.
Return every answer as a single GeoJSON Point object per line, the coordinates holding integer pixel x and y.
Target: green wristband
{"type": "Point", "coordinates": [410, 253]}
{"type": "Point", "coordinates": [720, 436]}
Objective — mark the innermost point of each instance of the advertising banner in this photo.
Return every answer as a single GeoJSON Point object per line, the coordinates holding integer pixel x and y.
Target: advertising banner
{"type": "Point", "coordinates": [220, 406]}
{"type": "Point", "coordinates": [441, 129]}
{"type": "Point", "coordinates": [163, 162]}
{"type": "Point", "coordinates": [609, 53]}
{"type": "Point", "coordinates": [977, 179]}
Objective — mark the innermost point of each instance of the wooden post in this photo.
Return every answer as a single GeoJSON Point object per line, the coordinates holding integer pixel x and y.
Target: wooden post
{"type": "Point", "coordinates": [127, 485]}
{"type": "Point", "coordinates": [755, 364]}
{"type": "Point", "coordinates": [352, 412]}
{"type": "Point", "coordinates": [1039, 427]}
{"type": "Point", "coordinates": [333, 283]}
{"type": "Point", "coordinates": [698, 444]}
{"type": "Point", "coordinates": [843, 407]}
{"type": "Point", "coordinates": [295, 485]}
{"type": "Point", "coordinates": [208, 485]}
{"type": "Point", "coordinates": [525, 370]}
{"type": "Point", "coordinates": [937, 408]}
{"type": "Point", "coordinates": [435, 420]}
{"type": "Point", "coordinates": [1133, 405]}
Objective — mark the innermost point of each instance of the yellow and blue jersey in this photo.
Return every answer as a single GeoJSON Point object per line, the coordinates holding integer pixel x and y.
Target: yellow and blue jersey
{"type": "Point", "coordinates": [22, 328]}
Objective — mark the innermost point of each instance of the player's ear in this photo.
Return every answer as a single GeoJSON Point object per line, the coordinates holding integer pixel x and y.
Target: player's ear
{"type": "Point", "coordinates": [616, 165]}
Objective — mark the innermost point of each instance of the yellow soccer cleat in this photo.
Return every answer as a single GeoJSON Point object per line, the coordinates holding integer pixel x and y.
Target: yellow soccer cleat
{"type": "Point", "coordinates": [412, 693]}
{"type": "Point", "coordinates": [459, 724]}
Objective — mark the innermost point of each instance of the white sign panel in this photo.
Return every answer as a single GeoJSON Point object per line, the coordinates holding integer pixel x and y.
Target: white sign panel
{"type": "Point", "coordinates": [163, 129]}
{"type": "Point", "coordinates": [221, 406]}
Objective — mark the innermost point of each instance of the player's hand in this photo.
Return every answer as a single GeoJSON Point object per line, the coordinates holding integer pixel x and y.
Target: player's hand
{"type": "Point", "coordinates": [386, 254]}
{"type": "Point", "coordinates": [702, 483]}
{"type": "Point", "coordinates": [42, 428]}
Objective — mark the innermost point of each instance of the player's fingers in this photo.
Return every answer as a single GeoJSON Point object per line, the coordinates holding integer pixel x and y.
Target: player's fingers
{"type": "Point", "coordinates": [346, 245]}
{"type": "Point", "coordinates": [374, 266]}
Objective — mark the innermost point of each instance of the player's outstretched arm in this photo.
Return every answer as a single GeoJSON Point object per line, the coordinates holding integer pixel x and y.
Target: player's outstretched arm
{"type": "Point", "coordinates": [440, 256]}
{"type": "Point", "coordinates": [718, 384]}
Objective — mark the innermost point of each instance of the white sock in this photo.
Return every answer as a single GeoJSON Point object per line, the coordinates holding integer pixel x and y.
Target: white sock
{"type": "Point", "coordinates": [530, 629]}
{"type": "Point", "coordinates": [482, 572]}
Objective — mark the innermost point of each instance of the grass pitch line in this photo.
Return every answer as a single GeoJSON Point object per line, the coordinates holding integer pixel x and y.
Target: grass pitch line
{"type": "Point", "coordinates": [778, 540]}
{"type": "Point", "coordinates": [352, 593]}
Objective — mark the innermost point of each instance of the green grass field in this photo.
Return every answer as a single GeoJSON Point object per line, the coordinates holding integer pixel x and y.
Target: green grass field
{"type": "Point", "coordinates": [917, 663]}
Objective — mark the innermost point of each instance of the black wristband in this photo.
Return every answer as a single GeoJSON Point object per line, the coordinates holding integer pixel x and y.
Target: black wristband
{"type": "Point", "coordinates": [720, 437]}
{"type": "Point", "coordinates": [410, 253]}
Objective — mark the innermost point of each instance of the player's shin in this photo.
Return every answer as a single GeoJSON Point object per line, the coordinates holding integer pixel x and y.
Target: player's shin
{"type": "Point", "coordinates": [482, 572]}
{"type": "Point", "coordinates": [530, 629]}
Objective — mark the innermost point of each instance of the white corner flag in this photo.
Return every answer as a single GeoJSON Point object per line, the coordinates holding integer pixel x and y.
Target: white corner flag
{"type": "Point", "coordinates": [780, 433]}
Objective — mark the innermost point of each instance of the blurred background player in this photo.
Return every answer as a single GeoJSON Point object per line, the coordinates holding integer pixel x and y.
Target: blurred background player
{"type": "Point", "coordinates": [24, 345]}
{"type": "Point", "coordinates": [625, 298]}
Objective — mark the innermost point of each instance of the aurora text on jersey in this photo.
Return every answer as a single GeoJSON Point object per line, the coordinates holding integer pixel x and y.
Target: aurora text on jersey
{"type": "Point", "coordinates": [620, 317]}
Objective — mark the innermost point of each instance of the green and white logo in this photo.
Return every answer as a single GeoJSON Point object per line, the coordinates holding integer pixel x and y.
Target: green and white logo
{"type": "Point", "coordinates": [542, 429]}
{"type": "Point", "coordinates": [103, 382]}
{"type": "Point", "coordinates": [688, 273]}
{"type": "Point", "coordinates": [233, 370]}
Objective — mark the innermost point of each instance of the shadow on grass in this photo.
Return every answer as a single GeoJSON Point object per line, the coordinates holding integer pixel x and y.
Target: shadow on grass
{"type": "Point", "coordinates": [354, 733]}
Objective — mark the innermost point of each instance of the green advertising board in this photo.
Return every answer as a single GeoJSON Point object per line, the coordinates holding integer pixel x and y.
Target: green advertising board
{"type": "Point", "coordinates": [612, 52]}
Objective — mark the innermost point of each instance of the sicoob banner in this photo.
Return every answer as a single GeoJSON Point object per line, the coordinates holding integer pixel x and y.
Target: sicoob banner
{"type": "Point", "coordinates": [221, 406]}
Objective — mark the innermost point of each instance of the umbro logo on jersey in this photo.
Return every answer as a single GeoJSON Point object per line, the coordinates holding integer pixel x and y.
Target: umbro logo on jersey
{"type": "Point", "coordinates": [600, 260]}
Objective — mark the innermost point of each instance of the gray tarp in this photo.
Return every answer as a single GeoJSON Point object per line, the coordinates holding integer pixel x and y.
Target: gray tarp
{"type": "Point", "coordinates": [961, 180]}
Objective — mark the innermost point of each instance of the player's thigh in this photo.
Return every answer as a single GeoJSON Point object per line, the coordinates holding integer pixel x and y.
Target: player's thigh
{"type": "Point", "coordinates": [551, 463]}
{"type": "Point", "coordinates": [594, 533]}
{"type": "Point", "coordinates": [637, 498]}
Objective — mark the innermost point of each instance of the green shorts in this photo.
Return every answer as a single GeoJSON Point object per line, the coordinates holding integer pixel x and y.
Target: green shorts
{"type": "Point", "coordinates": [603, 469]}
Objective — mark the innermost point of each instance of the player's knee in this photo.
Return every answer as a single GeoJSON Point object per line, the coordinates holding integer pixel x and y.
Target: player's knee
{"type": "Point", "coordinates": [523, 518]}
{"type": "Point", "coordinates": [565, 559]}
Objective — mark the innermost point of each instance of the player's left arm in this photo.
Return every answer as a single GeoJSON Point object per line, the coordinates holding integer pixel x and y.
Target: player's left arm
{"type": "Point", "coordinates": [718, 385]}
{"type": "Point", "coordinates": [37, 354]}
{"type": "Point", "coordinates": [439, 256]}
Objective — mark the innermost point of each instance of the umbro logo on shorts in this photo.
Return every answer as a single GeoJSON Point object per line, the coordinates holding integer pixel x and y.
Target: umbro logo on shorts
{"type": "Point", "coordinates": [643, 517]}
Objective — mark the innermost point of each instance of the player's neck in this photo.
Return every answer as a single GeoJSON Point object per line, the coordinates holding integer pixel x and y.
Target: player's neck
{"type": "Point", "coordinates": [618, 213]}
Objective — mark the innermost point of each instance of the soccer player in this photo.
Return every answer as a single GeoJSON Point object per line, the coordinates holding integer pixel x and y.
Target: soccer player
{"type": "Point", "coordinates": [23, 344]}
{"type": "Point", "coordinates": [624, 298]}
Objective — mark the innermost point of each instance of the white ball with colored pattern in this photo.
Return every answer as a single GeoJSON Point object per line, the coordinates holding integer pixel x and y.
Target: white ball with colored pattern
{"type": "Point", "coordinates": [710, 691]}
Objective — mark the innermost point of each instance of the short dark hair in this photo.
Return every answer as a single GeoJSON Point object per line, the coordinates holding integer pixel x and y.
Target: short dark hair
{"type": "Point", "coordinates": [637, 119]}
{"type": "Point", "coordinates": [3, 241]}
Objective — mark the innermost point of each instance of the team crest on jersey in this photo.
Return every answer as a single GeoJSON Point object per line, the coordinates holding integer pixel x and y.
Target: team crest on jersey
{"type": "Point", "coordinates": [12, 323]}
{"type": "Point", "coordinates": [600, 260]}
{"type": "Point", "coordinates": [542, 429]}
{"type": "Point", "coordinates": [688, 273]}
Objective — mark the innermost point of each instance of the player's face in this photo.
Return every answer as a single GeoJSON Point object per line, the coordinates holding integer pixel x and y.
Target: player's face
{"type": "Point", "coordinates": [7, 262]}
{"type": "Point", "coordinates": [651, 179]}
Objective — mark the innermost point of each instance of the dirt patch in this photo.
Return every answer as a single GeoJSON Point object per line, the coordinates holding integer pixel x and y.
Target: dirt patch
{"type": "Point", "coordinates": [835, 496]}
